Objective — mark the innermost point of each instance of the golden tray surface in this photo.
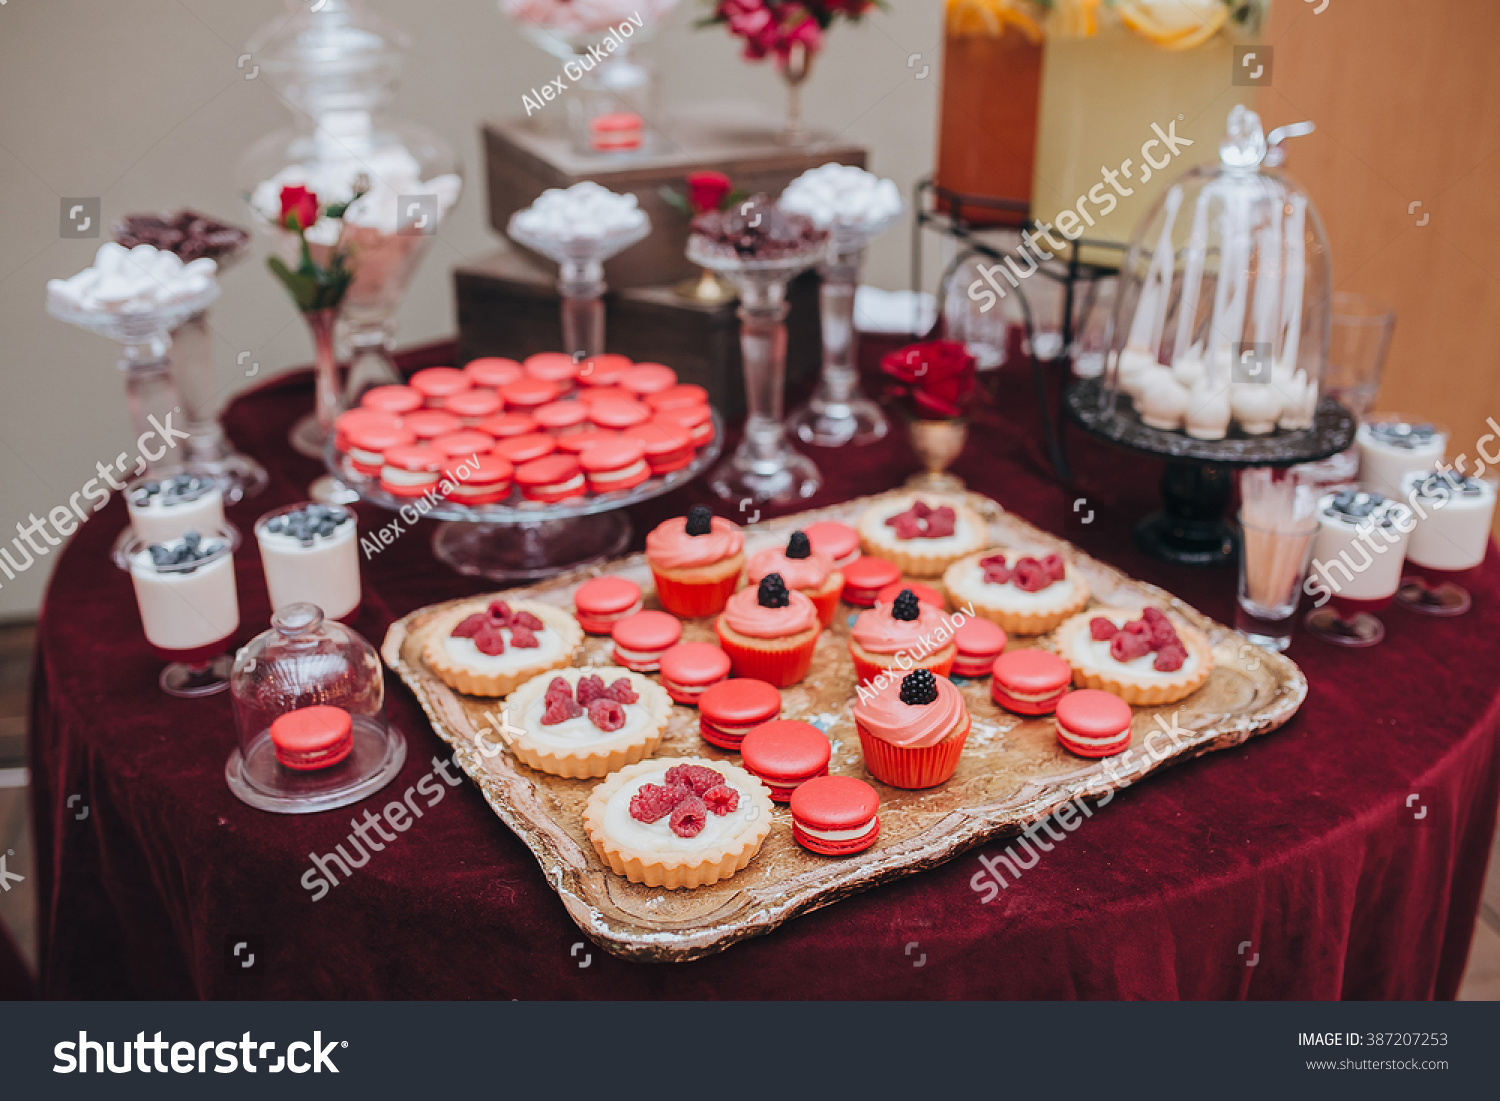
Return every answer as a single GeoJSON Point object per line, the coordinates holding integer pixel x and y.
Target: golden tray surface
{"type": "Point", "coordinates": [1012, 773]}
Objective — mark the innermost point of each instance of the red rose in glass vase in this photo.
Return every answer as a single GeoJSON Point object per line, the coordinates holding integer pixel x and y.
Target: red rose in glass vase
{"type": "Point", "coordinates": [935, 379]}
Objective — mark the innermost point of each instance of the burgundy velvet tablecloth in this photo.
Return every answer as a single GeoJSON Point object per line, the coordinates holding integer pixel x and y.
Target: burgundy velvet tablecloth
{"type": "Point", "coordinates": [1300, 865]}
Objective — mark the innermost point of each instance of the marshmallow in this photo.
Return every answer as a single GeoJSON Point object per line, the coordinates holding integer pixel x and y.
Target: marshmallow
{"type": "Point", "coordinates": [136, 280]}
{"type": "Point", "coordinates": [585, 210]}
{"type": "Point", "coordinates": [842, 195]}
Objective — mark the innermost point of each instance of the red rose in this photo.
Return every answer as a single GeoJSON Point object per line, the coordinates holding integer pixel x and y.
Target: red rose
{"type": "Point", "coordinates": [938, 376]}
{"type": "Point", "coordinates": [299, 207]}
{"type": "Point", "coordinates": [706, 190]}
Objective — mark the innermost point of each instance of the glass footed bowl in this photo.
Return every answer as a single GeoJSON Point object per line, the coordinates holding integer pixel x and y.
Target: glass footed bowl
{"type": "Point", "coordinates": [133, 326]}
{"type": "Point", "coordinates": [577, 250]}
{"type": "Point", "coordinates": [723, 260]}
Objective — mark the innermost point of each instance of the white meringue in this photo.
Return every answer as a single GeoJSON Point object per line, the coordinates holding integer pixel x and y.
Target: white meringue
{"type": "Point", "coordinates": [1256, 406]}
{"type": "Point", "coordinates": [1134, 365]}
{"type": "Point", "coordinates": [1163, 402]}
{"type": "Point", "coordinates": [1207, 416]}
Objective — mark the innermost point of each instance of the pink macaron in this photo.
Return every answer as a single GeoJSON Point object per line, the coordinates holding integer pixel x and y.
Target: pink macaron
{"type": "Point", "coordinates": [614, 465]}
{"type": "Point", "coordinates": [731, 709]}
{"type": "Point", "coordinates": [562, 417]}
{"type": "Point", "coordinates": [839, 541]}
{"type": "Point", "coordinates": [1029, 682]}
{"type": "Point", "coordinates": [412, 471]}
{"type": "Point", "coordinates": [311, 738]}
{"type": "Point", "coordinates": [429, 424]}
{"type": "Point", "coordinates": [865, 577]}
{"type": "Point", "coordinates": [1091, 723]}
{"type": "Point", "coordinates": [648, 378]}
{"type": "Point", "coordinates": [784, 754]}
{"type": "Point", "coordinates": [438, 384]}
{"type": "Point", "coordinates": [505, 425]}
{"type": "Point", "coordinates": [835, 815]}
{"type": "Point", "coordinates": [528, 394]}
{"type": "Point", "coordinates": [492, 372]}
{"type": "Point", "coordinates": [642, 638]}
{"type": "Point", "coordinates": [601, 602]}
{"type": "Point", "coordinates": [472, 406]}
{"type": "Point", "coordinates": [604, 369]}
{"type": "Point", "coordinates": [979, 642]}
{"type": "Point", "coordinates": [399, 400]}
{"type": "Point", "coordinates": [691, 668]}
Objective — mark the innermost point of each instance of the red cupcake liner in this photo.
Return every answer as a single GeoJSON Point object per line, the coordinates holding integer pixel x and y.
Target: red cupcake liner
{"type": "Point", "coordinates": [925, 767]}
{"type": "Point", "coordinates": [781, 668]}
{"type": "Point", "coordinates": [691, 599]}
{"type": "Point", "coordinates": [867, 671]}
{"type": "Point", "coordinates": [827, 604]}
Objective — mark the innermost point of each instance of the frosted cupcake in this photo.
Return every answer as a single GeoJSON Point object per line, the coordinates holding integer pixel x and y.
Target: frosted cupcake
{"type": "Point", "coordinates": [912, 729]}
{"type": "Point", "coordinates": [903, 635]}
{"type": "Point", "coordinates": [769, 632]}
{"type": "Point", "coordinates": [696, 560]}
{"type": "Point", "coordinates": [803, 569]}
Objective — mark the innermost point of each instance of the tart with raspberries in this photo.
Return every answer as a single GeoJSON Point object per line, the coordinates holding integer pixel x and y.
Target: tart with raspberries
{"type": "Point", "coordinates": [678, 822]}
{"type": "Point", "coordinates": [487, 647]}
{"type": "Point", "coordinates": [1027, 594]}
{"type": "Point", "coordinates": [579, 723]}
{"type": "Point", "coordinates": [921, 533]}
{"type": "Point", "coordinates": [1140, 655]}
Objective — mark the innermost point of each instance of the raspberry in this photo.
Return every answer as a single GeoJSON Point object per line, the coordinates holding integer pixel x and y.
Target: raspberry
{"type": "Point", "coordinates": [1154, 615]}
{"type": "Point", "coordinates": [1101, 629]}
{"type": "Point", "coordinates": [621, 692]}
{"type": "Point", "coordinates": [698, 779]}
{"type": "Point", "coordinates": [1127, 646]}
{"type": "Point", "coordinates": [941, 523]}
{"type": "Point", "coordinates": [651, 801]}
{"type": "Point", "coordinates": [921, 509]}
{"type": "Point", "coordinates": [1169, 658]}
{"type": "Point", "coordinates": [522, 639]}
{"type": "Point", "coordinates": [590, 688]}
{"type": "Point", "coordinates": [908, 527]}
{"type": "Point", "coordinates": [1031, 576]}
{"type": "Point", "coordinates": [1055, 566]}
{"type": "Point", "coordinates": [689, 817]}
{"type": "Point", "coordinates": [992, 561]}
{"type": "Point", "coordinates": [1000, 574]}
{"type": "Point", "coordinates": [487, 640]}
{"type": "Point", "coordinates": [607, 715]}
{"type": "Point", "coordinates": [1138, 627]}
{"type": "Point", "coordinates": [1162, 634]}
{"type": "Point", "coordinates": [722, 799]}
{"type": "Point", "coordinates": [500, 612]}
{"type": "Point", "coordinates": [527, 620]}
{"type": "Point", "coordinates": [559, 686]}
{"type": "Point", "coordinates": [470, 625]}
{"type": "Point", "coordinates": [560, 709]}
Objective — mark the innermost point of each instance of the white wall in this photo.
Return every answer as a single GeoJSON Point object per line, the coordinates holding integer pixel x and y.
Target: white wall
{"type": "Point", "coordinates": [141, 102]}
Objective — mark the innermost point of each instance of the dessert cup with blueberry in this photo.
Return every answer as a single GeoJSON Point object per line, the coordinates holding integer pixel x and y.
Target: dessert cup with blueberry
{"type": "Point", "coordinates": [580, 723]}
{"type": "Point", "coordinates": [678, 822]}
{"type": "Point", "coordinates": [912, 730]}
{"type": "Point", "coordinates": [1027, 594]}
{"type": "Point", "coordinates": [803, 569]}
{"type": "Point", "coordinates": [903, 635]}
{"type": "Point", "coordinates": [696, 560]}
{"type": "Point", "coordinates": [487, 647]}
{"type": "Point", "coordinates": [1141, 655]}
{"type": "Point", "coordinates": [769, 632]}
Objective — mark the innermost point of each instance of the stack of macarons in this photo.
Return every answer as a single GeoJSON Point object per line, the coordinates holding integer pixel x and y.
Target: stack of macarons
{"type": "Point", "coordinates": [649, 423]}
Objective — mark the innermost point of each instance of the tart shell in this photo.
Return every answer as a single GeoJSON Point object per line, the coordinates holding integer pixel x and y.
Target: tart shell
{"type": "Point", "coordinates": [598, 758]}
{"type": "Point", "coordinates": [880, 541]}
{"type": "Point", "coordinates": [677, 871]}
{"type": "Point", "coordinates": [1119, 680]}
{"type": "Point", "coordinates": [1015, 622]}
{"type": "Point", "coordinates": [473, 683]}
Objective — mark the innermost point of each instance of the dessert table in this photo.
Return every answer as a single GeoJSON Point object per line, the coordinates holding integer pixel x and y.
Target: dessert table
{"type": "Point", "coordinates": [1341, 856]}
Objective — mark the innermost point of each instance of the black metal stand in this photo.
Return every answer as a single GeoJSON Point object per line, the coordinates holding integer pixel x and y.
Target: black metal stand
{"type": "Point", "coordinates": [1196, 487]}
{"type": "Point", "coordinates": [927, 200]}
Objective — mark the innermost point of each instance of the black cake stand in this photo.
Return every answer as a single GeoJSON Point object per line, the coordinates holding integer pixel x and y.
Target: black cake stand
{"type": "Point", "coordinates": [1197, 484]}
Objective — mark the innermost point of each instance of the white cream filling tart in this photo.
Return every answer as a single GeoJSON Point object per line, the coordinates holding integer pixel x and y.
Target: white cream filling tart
{"type": "Point", "coordinates": [1137, 681]}
{"type": "Point", "coordinates": [651, 853]}
{"type": "Point", "coordinates": [921, 557]}
{"type": "Point", "coordinates": [460, 665]}
{"type": "Point", "coordinates": [576, 748]}
{"type": "Point", "coordinates": [1012, 607]}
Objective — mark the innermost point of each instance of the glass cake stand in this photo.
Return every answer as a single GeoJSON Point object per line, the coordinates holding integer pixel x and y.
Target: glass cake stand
{"type": "Point", "coordinates": [525, 540]}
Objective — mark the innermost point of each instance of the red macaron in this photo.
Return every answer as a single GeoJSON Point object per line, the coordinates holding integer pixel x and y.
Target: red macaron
{"type": "Point", "coordinates": [838, 541]}
{"type": "Point", "coordinates": [648, 378]}
{"type": "Point", "coordinates": [472, 406]}
{"type": "Point", "coordinates": [493, 372]}
{"type": "Point", "coordinates": [504, 426]}
{"type": "Point", "coordinates": [617, 414]}
{"type": "Point", "coordinates": [602, 370]}
{"type": "Point", "coordinates": [556, 367]}
{"type": "Point", "coordinates": [979, 642]}
{"type": "Point", "coordinates": [685, 395]}
{"type": "Point", "coordinates": [785, 753]}
{"type": "Point", "coordinates": [555, 478]}
{"type": "Point", "coordinates": [527, 448]}
{"type": "Point", "coordinates": [412, 470]}
{"type": "Point", "coordinates": [560, 417]}
{"type": "Point", "coordinates": [730, 710]}
{"type": "Point", "coordinates": [642, 638]}
{"type": "Point", "coordinates": [615, 465]}
{"type": "Point", "coordinates": [601, 602]}
{"type": "Point", "coordinates": [312, 737]}
{"type": "Point", "coordinates": [351, 418]}
{"type": "Point", "coordinates": [865, 577]}
{"type": "Point", "coordinates": [925, 594]}
{"type": "Point", "coordinates": [1092, 723]}
{"type": "Point", "coordinates": [438, 384]}
{"type": "Point", "coordinates": [835, 815]}
{"type": "Point", "coordinates": [391, 399]}
{"type": "Point", "coordinates": [667, 446]}
{"type": "Point", "coordinates": [429, 424]}
{"type": "Point", "coordinates": [696, 419]}
{"type": "Point", "coordinates": [528, 393]}
{"type": "Point", "coordinates": [464, 443]}
{"type": "Point", "coordinates": [486, 483]}
{"type": "Point", "coordinates": [576, 443]}
{"type": "Point", "coordinates": [370, 439]}
{"type": "Point", "coordinates": [691, 668]}
{"type": "Point", "coordinates": [1029, 682]}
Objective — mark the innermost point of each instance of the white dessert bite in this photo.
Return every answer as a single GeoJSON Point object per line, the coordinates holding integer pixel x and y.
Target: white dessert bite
{"type": "Point", "coordinates": [310, 553]}
{"type": "Point", "coordinates": [1391, 447]}
{"type": "Point", "coordinates": [168, 508]}
{"type": "Point", "coordinates": [1361, 544]}
{"type": "Point", "coordinates": [1453, 514]}
{"type": "Point", "coordinates": [185, 591]}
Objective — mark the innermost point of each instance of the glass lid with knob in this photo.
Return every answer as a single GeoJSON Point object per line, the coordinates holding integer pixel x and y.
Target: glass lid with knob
{"type": "Point", "coordinates": [1221, 322]}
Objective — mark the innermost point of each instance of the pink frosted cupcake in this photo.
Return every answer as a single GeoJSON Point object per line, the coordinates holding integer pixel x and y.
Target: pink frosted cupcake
{"type": "Point", "coordinates": [803, 569]}
{"type": "Point", "coordinates": [912, 729]}
{"type": "Point", "coordinates": [696, 560]}
{"type": "Point", "coordinates": [902, 635]}
{"type": "Point", "coordinates": [769, 632]}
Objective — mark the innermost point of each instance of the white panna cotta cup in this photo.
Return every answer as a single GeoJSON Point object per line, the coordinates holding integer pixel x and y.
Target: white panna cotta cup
{"type": "Point", "coordinates": [1453, 516]}
{"type": "Point", "coordinates": [310, 553]}
{"type": "Point", "coordinates": [168, 508]}
{"type": "Point", "coordinates": [1361, 546]}
{"type": "Point", "coordinates": [1391, 446]}
{"type": "Point", "coordinates": [185, 591]}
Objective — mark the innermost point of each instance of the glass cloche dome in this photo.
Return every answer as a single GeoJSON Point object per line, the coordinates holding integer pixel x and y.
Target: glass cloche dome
{"type": "Point", "coordinates": [1221, 322]}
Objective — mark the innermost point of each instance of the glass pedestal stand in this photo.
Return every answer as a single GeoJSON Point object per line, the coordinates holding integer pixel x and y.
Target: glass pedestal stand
{"type": "Point", "coordinates": [524, 540]}
{"type": "Point", "coordinates": [580, 280]}
{"type": "Point", "coordinates": [208, 449]}
{"type": "Point", "coordinates": [765, 467]}
{"type": "Point", "coordinates": [150, 392]}
{"type": "Point", "coordinates": [839, 412]}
